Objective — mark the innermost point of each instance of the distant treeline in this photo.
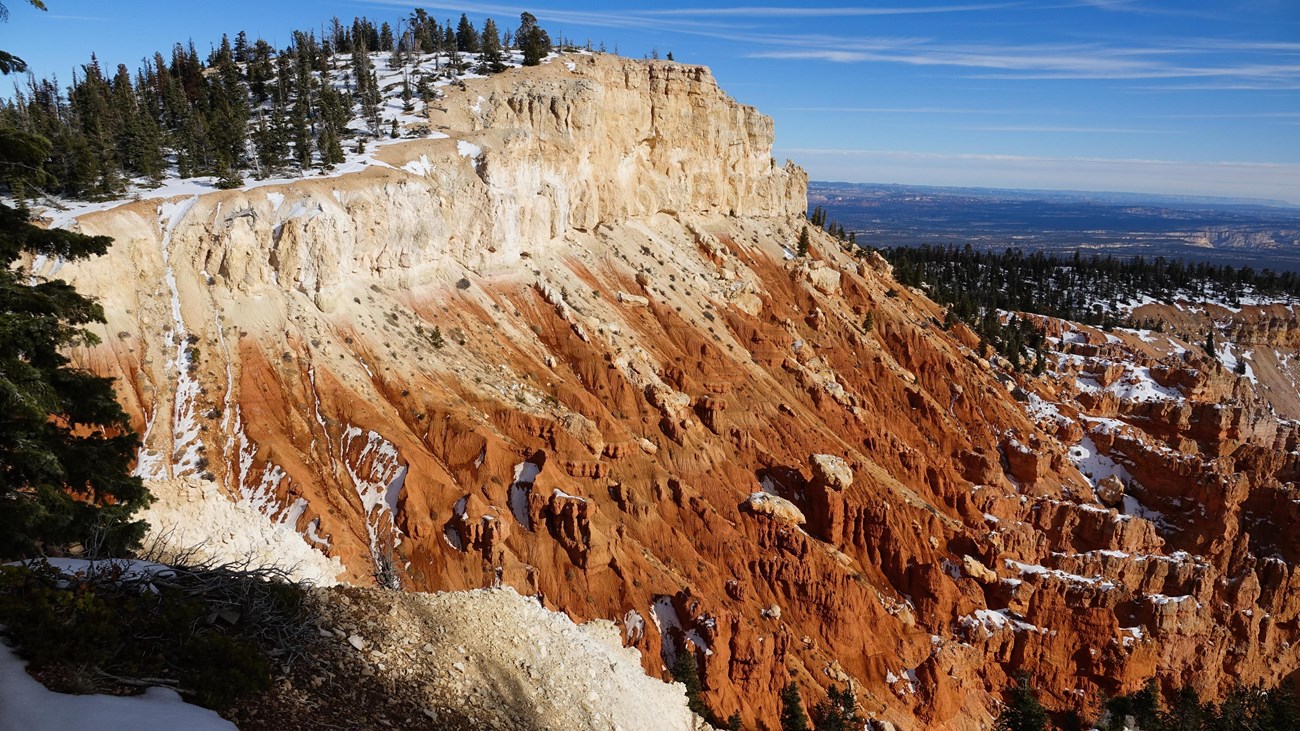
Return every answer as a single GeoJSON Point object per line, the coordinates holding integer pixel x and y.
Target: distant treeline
{"type": "Point", "coordinates": [978, 287]}
{"type": "Point", "coordinates": [1087, 289]}
{"type": "Point", "coordinates": [247, 108]}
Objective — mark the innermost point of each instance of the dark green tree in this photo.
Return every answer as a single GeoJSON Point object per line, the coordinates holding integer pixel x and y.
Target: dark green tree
{"type": "Point", "coordinates": [139, 141]}
{"type": "Point", "coordinates": [65, 444]}
{"type": "Point", "coordinates": [804, 242]}
{"type": "Point", "coordinates": [685, 672]}
{"type": "Point", "coordinates": [839, 712]}
{"type": "Point", "coordinates": [1142, 706]}
{"type": "Point", "coordinates": [490, 55]}
{"type": "Point", "coordinates": [1185, 713]}
{"type": "Point", "coordinates": [532, 40]}
{"type": "Point", "coordinates": [1023, 712]}
{"type": "Point", "coordinates": [793, 717]}
{"type": "Point", "coordinates": [466, 36]}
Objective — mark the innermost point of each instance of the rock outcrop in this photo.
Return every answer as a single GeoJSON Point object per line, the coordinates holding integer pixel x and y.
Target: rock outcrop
{"type": "Point", "coordinates": [566, 349]}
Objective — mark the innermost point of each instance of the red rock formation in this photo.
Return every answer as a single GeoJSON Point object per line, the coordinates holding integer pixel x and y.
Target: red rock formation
{"type": "Point", "coordinates": [606, 453]}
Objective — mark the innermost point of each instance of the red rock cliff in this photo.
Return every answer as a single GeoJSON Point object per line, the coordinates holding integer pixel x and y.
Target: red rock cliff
{"type": "Point", "coordinates": [569, 349]}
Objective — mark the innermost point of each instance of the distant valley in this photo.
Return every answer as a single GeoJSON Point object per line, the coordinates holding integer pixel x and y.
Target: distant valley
{"type": "Point", "coordinates": [1261, 234]}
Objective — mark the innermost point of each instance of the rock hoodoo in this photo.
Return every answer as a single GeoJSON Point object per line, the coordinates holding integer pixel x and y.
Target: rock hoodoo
{"type": "Point", "coordinates": [568, 349]}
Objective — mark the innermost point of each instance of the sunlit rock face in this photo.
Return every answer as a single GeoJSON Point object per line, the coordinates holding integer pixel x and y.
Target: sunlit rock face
{"type": "Point", "coordinates": [569, 348]}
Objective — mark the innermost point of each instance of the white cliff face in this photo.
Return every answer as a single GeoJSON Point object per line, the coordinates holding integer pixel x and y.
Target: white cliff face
{"type": "Point", "coordinates": [253, 330]}
{"type": "Point", "coordinates": [551, 151]}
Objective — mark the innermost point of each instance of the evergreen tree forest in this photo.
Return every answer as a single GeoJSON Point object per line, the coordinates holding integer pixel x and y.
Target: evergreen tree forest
{"type": "Point", "coordinates": [1245, 709]}
{"type": "Point", "coordinates": [1087, 289]}
{"type": "Point", "coordinates": [244, 108]}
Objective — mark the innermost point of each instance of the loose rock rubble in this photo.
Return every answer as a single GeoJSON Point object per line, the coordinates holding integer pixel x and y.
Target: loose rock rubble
{"type": "Point", "coordinates": [485, 659]}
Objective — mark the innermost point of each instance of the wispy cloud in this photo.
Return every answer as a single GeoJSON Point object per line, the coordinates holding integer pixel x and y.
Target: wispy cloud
{"type": "Point", "coordinates": [913, 110]}
{"type": "Point", "coordinates": [1260, 62]}
{"type": "Point", "coordinates": [595, 19]}
{"type": "Point", "coordinates": [1064, 130]}
{"type": "Point", "coordinates": [1228, 115]}
{"type": "Point", "coordinates": [1045, 61]}
{"type": "Point", "coordinates": [1231, 178]}
{"type": "Point", "coordinates": [1144, 8]}
{"type": "Point", "coordinates": [819, 12]}
{"type": "Point", "coordinates": [1107, 4]}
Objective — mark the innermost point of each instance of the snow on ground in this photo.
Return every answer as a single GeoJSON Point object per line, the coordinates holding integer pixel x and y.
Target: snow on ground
{"type": "Point", "coordinates": [83, 568]}
{"type": "Point", "coordinates": [468, 149]}
{"type": "Point", "coordinates": [419, 167]}
{"type": "Point", "coordinates": [26, 705]}
{"type": "Point", "coordinates": [378, 476]}
{"type": "Point", "coordinates": [990, 620]}
{"type": "Point", "coordinates": [1035, 569]}
{"type": "Point", "coordinates": [450, 534]}
{"type": "Point", "coordinates": [1231, 300]}
{"type": "Point", "coordinates": [1095, 465]}
{"type": "Point", "coordinates": [1137, 384]}
{"type": "Point", "coordinates": [525, 474]}
{"type": "Point", "coordinates": [1232, 362]}
{"type": "Point", "coordinates": [664, 615]}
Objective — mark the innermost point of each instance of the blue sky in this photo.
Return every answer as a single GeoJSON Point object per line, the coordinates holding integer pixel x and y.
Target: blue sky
{"type": "Point", "coordinates": [1185, 97]}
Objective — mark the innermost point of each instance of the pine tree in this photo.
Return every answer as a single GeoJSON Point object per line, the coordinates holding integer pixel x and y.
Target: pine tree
{"type": "Point", "coordinates": [62, 432]}
{"type": "Point", "coordinates": [10, 63]}
{"type": "Point", "coordinates": [804, 242]}
{"type": "Point", "coordinates": [228, 121]}
{"type": "Point", "coordinates": [839, 712]}
{"type": "Point", "coordinates": [1209, 344]}
{"type": "Point", "coordinates": [684, 672]}
{"type": "Point", "coordinates": [300, 113]}
{"type": "Point", "coordinates": [97, 120]}
{"type": "Point", "coordinates": [1186, 713]}
{"type": "Point", "coordinates": [1023, 712]}
{"type": "Point", "coordinates": [490, 43]}
{"type": "Point", "coordinates": [386, 37]}
{"type": "Point", "coordinates": [260, 71]}
{"type": "Point", "coordinates": [139, 140]}
{"type": "Point", "coordinates": [532, 40]}
{"type": "Point", "coordinates": [793, 717]}
{"type": "Point", "coordinates": [467, 40]}
{"type": "Point", "coordinates": [449, 46]}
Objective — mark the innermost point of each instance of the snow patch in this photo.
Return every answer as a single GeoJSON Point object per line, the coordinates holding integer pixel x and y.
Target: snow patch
{"type": "Point", "coordinates": [525, 474]}
{"type": "Point", "coordinates": [26, 705]}
{"type": "Point", "coordinates": [421, 167]}
{"type": "Point", "coordinates": [468, 149]}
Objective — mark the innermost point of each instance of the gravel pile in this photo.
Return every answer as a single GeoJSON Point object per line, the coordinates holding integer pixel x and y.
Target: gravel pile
{"type": "Point", "coordinates": [486, 659]}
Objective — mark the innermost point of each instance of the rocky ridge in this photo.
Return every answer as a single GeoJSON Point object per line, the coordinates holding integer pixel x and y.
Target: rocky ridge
{"type": "Point", "coordinates": [482, 659]}
{"type": "Point", "coordinates": [569, 349]}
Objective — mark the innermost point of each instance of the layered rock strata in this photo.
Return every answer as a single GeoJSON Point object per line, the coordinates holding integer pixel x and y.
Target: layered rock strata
{"type": "Point", "coordinates": [569, 349]}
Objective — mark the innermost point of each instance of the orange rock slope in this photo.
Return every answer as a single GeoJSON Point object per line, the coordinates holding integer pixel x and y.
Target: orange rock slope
{"type": "Point", "coordinates": [568, 348]}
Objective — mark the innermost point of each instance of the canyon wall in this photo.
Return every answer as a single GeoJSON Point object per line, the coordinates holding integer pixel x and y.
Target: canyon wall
{"type": "Point", "coordinates": [564, 344]}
